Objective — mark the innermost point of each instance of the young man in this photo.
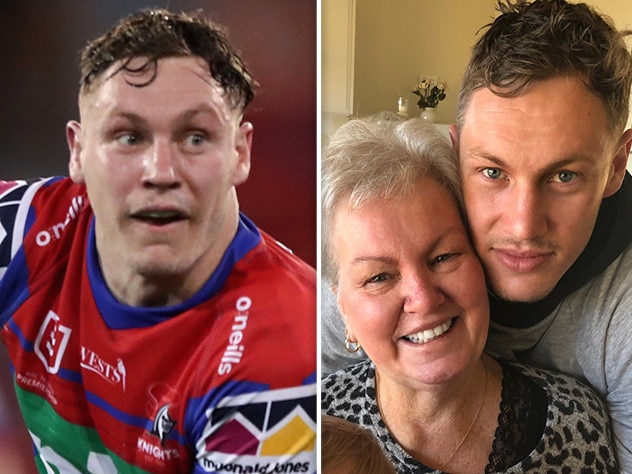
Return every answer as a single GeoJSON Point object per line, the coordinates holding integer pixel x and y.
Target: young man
{"type": "Point", "coordinates": [148, 321]}
{"type": "Point", "coordinates": [543, 152]}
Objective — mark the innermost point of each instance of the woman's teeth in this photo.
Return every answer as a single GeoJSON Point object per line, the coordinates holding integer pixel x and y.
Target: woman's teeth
{"type": "Point", "coordinates": [427, 335]}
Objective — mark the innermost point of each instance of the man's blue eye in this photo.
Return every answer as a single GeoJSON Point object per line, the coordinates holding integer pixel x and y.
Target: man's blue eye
{"type": "Point", "coordinates": [196, 139]}
{"type": "Point", "coordinates": [492, 173]}
{"type": "Point", "coordinates": [565, 176]}
{"type": "Point", "coordinates": [128, 139]}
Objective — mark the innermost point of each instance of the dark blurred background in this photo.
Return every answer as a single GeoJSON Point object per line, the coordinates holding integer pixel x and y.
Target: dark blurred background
{"type": "Point", "coordinates": [39, 50]}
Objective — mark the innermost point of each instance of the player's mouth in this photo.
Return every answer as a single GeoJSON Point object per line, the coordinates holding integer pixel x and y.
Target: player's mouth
{"type": "Point", "coordinates": [159, 217]}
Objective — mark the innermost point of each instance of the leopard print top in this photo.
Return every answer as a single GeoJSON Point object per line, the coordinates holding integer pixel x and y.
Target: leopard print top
{"type": "Point", "coordinates": [548, 422]}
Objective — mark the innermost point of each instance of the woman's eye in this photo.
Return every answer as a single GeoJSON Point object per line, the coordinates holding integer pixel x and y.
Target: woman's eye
{"type": "Point", "coordinates": [445, 262]}
{"type": "Point", "coordinates": [564, 176]}
{"type": "Point", "coordinates": [492, 173]}
{"type": "Point", "coordinates": [379, 278]}
{"type": "Point", "coordinates": [443, 258]}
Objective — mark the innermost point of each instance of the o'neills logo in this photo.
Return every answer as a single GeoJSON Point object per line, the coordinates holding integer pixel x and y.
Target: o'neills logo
{"type": "Point", "coordinates": [54, 232]}
{"type": "Point", "coordinates": [235, 350]}
{"type": "Point", "coordinates": [115, 374]}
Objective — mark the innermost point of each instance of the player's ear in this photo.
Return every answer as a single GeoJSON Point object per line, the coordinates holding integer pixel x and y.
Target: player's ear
{"type": "Point", "coordinates": [73, 137]}
{"type": "Point", "coordinates": [243, 145]}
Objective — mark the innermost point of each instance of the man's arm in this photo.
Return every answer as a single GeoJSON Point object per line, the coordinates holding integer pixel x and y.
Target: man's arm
{"type": "Point", "coordinates": [618, 370]}
{"type": "Point", "coordinates": [601, 313]}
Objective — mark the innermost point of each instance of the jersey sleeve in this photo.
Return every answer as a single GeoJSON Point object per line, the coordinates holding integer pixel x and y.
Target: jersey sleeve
{"type": "Point", "coordinates": [32, 216]}
{"type": "Point", "coordinates": [16, 198]}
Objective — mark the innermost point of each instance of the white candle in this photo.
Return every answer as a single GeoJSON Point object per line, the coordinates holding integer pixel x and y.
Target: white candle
{"type": "Point", "coordinates": [402, 105]}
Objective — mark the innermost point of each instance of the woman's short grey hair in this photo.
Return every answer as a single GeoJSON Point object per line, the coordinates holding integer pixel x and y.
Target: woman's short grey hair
{"type": "Point", "coordinates": [379, 158]}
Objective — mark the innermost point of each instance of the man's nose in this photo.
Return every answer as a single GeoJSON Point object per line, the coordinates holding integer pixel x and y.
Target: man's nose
{"type": "Point", "coordinates": [525, 213]}
{"type": "Point", "coordinates": [160, 165]}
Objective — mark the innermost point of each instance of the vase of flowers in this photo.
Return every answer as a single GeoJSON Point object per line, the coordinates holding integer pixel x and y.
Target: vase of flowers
{"type": "Point", "coordinates": [429, 114]}
{"type": "Point", "coordinates": [430, 93]}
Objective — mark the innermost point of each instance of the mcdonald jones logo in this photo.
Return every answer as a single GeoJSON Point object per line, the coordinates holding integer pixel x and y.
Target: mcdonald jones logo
{"type": "Point", "coordinates": [264, 432]}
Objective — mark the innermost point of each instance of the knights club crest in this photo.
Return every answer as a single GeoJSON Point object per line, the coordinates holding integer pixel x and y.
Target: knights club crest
{"type": "Point", "coordinates": [163, 424]}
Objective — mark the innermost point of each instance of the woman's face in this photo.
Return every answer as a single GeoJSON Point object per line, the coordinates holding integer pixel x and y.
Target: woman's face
{"type": "Point", "coordinates": [411, 289]}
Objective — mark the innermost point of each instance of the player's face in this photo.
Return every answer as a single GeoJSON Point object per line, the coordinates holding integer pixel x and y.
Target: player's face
{"type": "Point", "coordinates": [411, 289]}
{"type": "Point", "coordinates": [535, 169]}
{"type": "Point", "coordinates": [160, 163]}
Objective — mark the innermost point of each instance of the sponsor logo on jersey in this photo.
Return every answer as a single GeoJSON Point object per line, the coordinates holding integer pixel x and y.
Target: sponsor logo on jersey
{"type": "Point", "coordinates": [234, 349]}
{"type": "Point", "coordinates": [51, 342]}
{"type": "Point", "coordinates": [163, 424]}
{"type": "Point", "coordinates": [157, 452]}
{"type": "Point", "coordinates": [115, 374]}
{"type": "Point", "coordinates": [266, 432]}
{"type": "Point", "coordinates": [45, 237]}
{"type": "Point", "coordinates": [35, 382]}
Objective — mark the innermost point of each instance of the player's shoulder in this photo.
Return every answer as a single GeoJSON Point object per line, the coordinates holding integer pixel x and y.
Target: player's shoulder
{"type": "Point", "coordinates": [38, 191]}
{"type": "Point", "coordinates": [14, 192]}
{"type": "Point", "coordinates": [21, 202]}
{"type": "Point", "coordinates": [282, 261]}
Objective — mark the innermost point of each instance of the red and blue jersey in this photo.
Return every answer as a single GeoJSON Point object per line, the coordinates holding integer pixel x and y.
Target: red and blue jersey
{"type": "Point", "coordinates": [223, 383]}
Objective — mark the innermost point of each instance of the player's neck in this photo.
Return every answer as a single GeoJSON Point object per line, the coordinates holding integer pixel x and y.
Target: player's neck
{"type": "Point", "coordinates": [136, 284]}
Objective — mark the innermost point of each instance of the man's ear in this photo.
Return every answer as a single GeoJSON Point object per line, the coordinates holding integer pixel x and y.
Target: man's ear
{"type": "Point", "coordinates": [73, 137]}
{"type": "Point", "coordinates": [454, 137]}
{"type": "Point", "coordinates": [619, 163]}
{"type": "Point", "coordinates": [243, 145]}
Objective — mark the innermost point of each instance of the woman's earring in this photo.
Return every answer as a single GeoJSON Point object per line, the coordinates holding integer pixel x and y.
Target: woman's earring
{"type": "Point", "coordinates": [351, 346]}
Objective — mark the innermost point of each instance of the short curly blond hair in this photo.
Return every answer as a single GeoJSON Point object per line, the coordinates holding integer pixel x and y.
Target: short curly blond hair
{"type": "Point", "coordinates": [157, 33]}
